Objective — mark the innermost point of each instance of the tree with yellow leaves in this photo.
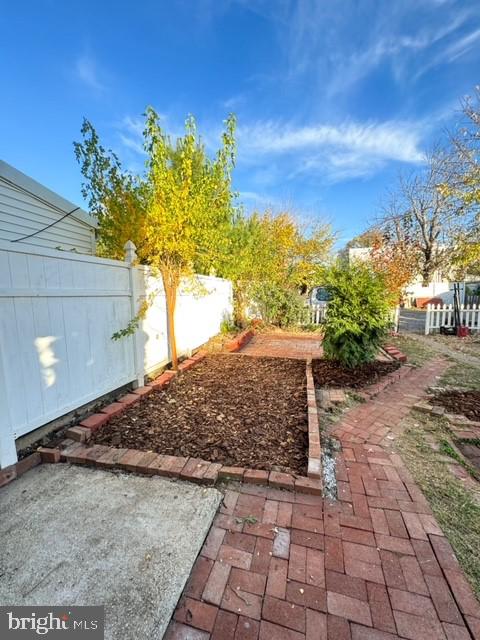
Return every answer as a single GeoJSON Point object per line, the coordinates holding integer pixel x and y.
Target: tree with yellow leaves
{"type": "Point", "coordinates": [177, 213]}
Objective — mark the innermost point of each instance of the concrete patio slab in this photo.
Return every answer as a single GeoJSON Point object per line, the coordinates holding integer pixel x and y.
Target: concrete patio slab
{"type": "Point", "coordinates": [79, 536]}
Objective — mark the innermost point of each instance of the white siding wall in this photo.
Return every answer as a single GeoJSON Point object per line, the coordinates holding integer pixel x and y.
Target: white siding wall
{"type": "Point", "coordinates": [58, 312]}
{"type": "Point", "coordinates": [22, 214]}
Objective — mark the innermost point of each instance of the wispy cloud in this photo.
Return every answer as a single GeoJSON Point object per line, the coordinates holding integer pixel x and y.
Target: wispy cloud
{"type": "Point", "coordinates": [334, 151]}
{"type": "Point", "coordinates": [86, 70]}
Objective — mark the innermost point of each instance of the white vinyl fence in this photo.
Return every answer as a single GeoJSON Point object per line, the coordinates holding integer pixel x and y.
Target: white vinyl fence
{"type": "Point", "coordinates": [444, 316]}
{"type": "Point", "coordinates": [58, 311]}
{"type": "Point", "coordinates": [316, 314]}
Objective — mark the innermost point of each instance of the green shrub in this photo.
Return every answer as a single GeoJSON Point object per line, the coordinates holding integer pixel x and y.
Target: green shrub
{"type": "Point", "coordinates": [358, 316]}
{"type": "Point", "coordinates": [278, 305]}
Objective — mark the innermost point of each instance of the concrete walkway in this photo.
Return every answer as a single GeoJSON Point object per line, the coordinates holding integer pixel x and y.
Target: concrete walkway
{"type": "Point", "coordinates": [79, 536]}
{"type": "Point", "coordinates": [373, 565]}
{"type": "Point", "coordinates": [284, 345]}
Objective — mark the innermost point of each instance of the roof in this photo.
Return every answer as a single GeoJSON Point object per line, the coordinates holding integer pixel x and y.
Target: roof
{"type": "Point", "coordinates": [37, 190]}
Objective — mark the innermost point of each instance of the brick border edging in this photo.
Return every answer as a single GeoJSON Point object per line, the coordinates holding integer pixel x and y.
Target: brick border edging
{"type": "Point", "coordinates": [314, 448]}
{"type": "Point", "coordinates": [453, 419]}
{"type": "Point", "coordinates": [16, 470]}
{"type": "Point", "coordinates": [394, 353]}
{"type": "Point", "coordinates": [239, 341]}
{"type": "Point", "coordinates": [73, 449]}
{"type": "Point", "coordinates": [367, 393]}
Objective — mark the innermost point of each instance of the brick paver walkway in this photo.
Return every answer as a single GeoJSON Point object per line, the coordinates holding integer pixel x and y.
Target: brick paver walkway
{"type": "Point", "coordinates": [284, 345]}
{"type": "Point", "coordinates": [372, 566]}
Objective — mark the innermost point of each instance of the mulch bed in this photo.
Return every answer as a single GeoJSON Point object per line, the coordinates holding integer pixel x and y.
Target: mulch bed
{"type": "Point", "coordinates": [466, 403]}
{"type": "Point", "coordinates": [329, 373]}
{"type": "Point", "coordinates": [232, 409]}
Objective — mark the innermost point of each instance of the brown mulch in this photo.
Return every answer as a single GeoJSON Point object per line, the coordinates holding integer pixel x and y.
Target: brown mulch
{"type": "Point", "coordinates": [233, 409]}
{"type": "Point", "coordinates": [465, 403]}
{"type": "Point", "coordinates": [329, 373]}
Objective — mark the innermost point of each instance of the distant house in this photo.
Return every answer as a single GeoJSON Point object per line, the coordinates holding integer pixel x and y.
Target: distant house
{"type": "Point", "coordinates": [32, 214]}
{"type": "Point", "coordinates": [439, 289]}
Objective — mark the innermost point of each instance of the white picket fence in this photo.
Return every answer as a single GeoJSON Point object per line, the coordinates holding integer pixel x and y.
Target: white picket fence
{"type": "Point", "coordinates": [316, 314]}
{"type": "Point", "coordinates": [58, 311]}
{"type": "Point", "coordinates": [444, 316]}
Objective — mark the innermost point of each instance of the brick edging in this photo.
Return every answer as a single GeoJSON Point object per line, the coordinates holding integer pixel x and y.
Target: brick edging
{"type": "Point", "coordinates": [453, 419]}
{"type": "Point", "coordinates": [314, 447]}
{"type": "Point", "coordinates": [369, 392]}
{"type": "Point", "coordinates": [240, 340]}
{"type": "Point", "coordinates": [16, 470]}
{"type": "Point", "coordinates": [75, 450]}
{"type": "Point", "coordinates": [395, 353]}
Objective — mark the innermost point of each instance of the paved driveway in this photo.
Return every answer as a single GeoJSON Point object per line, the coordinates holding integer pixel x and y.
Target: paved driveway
{"type": "Point", "coordinates": [79, 536]}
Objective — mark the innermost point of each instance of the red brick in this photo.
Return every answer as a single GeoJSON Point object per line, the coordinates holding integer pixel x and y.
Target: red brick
{"type": "Point", "coordinates": [194, 469]}
{"type": "Point", "coordinates": [225, 625]}
{"type": "Point", "coordinates": [144, 463]}
{"type": "Point", "coordinates": [454, 632]}
{"type": "Point", "coordinates": [27, 463]}
{"type": "Point", "coordinates": [79, 434]}
{"type": "Point", "coordinates": [255, 476]}
{"type": "Point", "coordinates": [142, 391]}
{"type": "Point", "coordinates": [129, 399]}
{"type": "Point", "coordinates": [198, 577]}
{"type": "Point", "coordinates": [356, 522]}
{"type": "Point", "coordinates": [333, 554]}
{"type": "Point", "coordinates": [443, 600]}
{"type": "Point", "coordinates": [426, 558]}
{"type": "Point", "coordinates": [316, 628]}
{"type": "Point", "coordinates": [262, 556]}
{"type": "Point", "coordinates": [197, 614]}
{"type": "Point", "coordinates": [285, 613]}
{"type": "Point", "coordinates": [306, 524]}
{"type": "Point", "coordinates": [186, 365]}
{"type": "Point", "coordinates": [309, 486]}
{"type": "Point", "coordinates": [382, 615]}
{"type": "Point", "coordinates": [281, 480]}
{"type": "Point", "coordinates": [75, 453]}
{"type": "Point", "coordinates": [247, 581]}
{"type": "Point", "coordinates": [338, 628]}
{"type": "Point", "coordinates": [412, 603]}
{"type": "Point", "coordinates": [241, 602]}
{"type": "Point", "coordinates": [396, 524]}
{"type": "Point", "coordinates": [277, 578]}
{"type": "Point", "coordinates": [95, 421]}
{"type": "Point", "coordinates": [95, 452]}
{"type": "Point", "coordinates": [348, 585]}
{"type": "Point", "coordinates": [179, 631]}
{"type": "Point", "coordinates": [169, 466]}
{"type": "Point", "coordinates": [7, 475]}
{"type": "Point", "coordinates": [350, 608]}
{"type": "Point", "coordinates": [392, 570]}
{"type": "Point", "coordinates": [365, 633]}
{"type": "Point", "coordinates": [364, 570]}
{"type": "Point", "coordinates": [216, 583]}
{"type": "Point", "coordinates": [297, 564]}
{"type": "Point", "coordinates": [270, 631]}
{"type": "Point", "coordinates": [270, 511]}
{"type": "Point", "coordinates": [463, 593]}
{"type": "Point", "coordinates": [308, 539]}
{"type": "Point", "coordinates": [247, 629]}
{"type": "Point", "coordinates": [474, 626]}
{"type": "Point", "coordinates": [307, 595]}
{"type": "Point", "coordinates": [114, 409]}
{"type": "Point", "coordinates": [249, 505]}
{"type": "Point", "coordinates": [48, 455]}
{"type": "Point", "coordinates": [110, 458]}
{"type": "Point", "coordinates": [359, 536]}
{"type": "Point", "coordinates": [230, 523]}
{"type": "Point", "coordinates": [130, 459]}
{"type": "Point", "coordinates": [284, 516]}
{"type": "Point", "coordinates": [234, 473]}
{"type": "Point", "coordinates": [240, 541]}
{"type": "Point", "coordinates": [262, 529]}
{"type": "Point", "coordinates": [315, 571]}
{"type": "Point", "coordinates": [361, 552]}
{"type": "Point", "coordinates": [414, 526]}
{"type": "Point", "coordinates": [417, 628]}
{"type": "Point", "coordinates": [235, 557]}
{"type": "Point", "coordinates": [213, 543]}
{"type": "Point", "coordinates": [391, 543]}
{"type": "Point", "coordinates": [413, 575]}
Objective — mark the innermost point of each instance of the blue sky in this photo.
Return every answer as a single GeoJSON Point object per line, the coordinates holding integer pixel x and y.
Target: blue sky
{"type": "Point", "coordinates": [333, 97]}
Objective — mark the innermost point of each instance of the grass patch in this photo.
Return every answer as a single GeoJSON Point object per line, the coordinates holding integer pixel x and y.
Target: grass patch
{"type": "Point", "coordinates": [462, 375]}
{"type": "Point", "coordinates": [455, 506]}
{"type": "Point", "coordinates": [416, 352]}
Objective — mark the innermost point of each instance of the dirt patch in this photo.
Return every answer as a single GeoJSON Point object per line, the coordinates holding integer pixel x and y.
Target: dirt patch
{"type": "Point", "coordinates": [233, 409]}
{"type": "Point", "coordinates": [466, 403]}
{"type": "Point", "coordinates": [328, 373]}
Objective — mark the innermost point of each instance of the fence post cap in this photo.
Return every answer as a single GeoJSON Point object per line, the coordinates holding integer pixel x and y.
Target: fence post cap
{"type": "Point", "coordinates": [130, 251]}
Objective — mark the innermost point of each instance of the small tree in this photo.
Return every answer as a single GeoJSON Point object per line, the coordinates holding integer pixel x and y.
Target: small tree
{"type": "Point", "coordinates": [177, 214]}
{"type": "Point", "coordinates": [358, 316]}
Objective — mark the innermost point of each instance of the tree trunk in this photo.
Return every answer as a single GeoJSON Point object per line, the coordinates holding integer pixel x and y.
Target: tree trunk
{"type": "Point", "coordinates": [170, 287]}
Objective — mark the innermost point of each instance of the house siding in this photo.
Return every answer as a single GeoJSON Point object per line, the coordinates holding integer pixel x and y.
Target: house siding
{"type": "Point", "coordinates": [21, 214]}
